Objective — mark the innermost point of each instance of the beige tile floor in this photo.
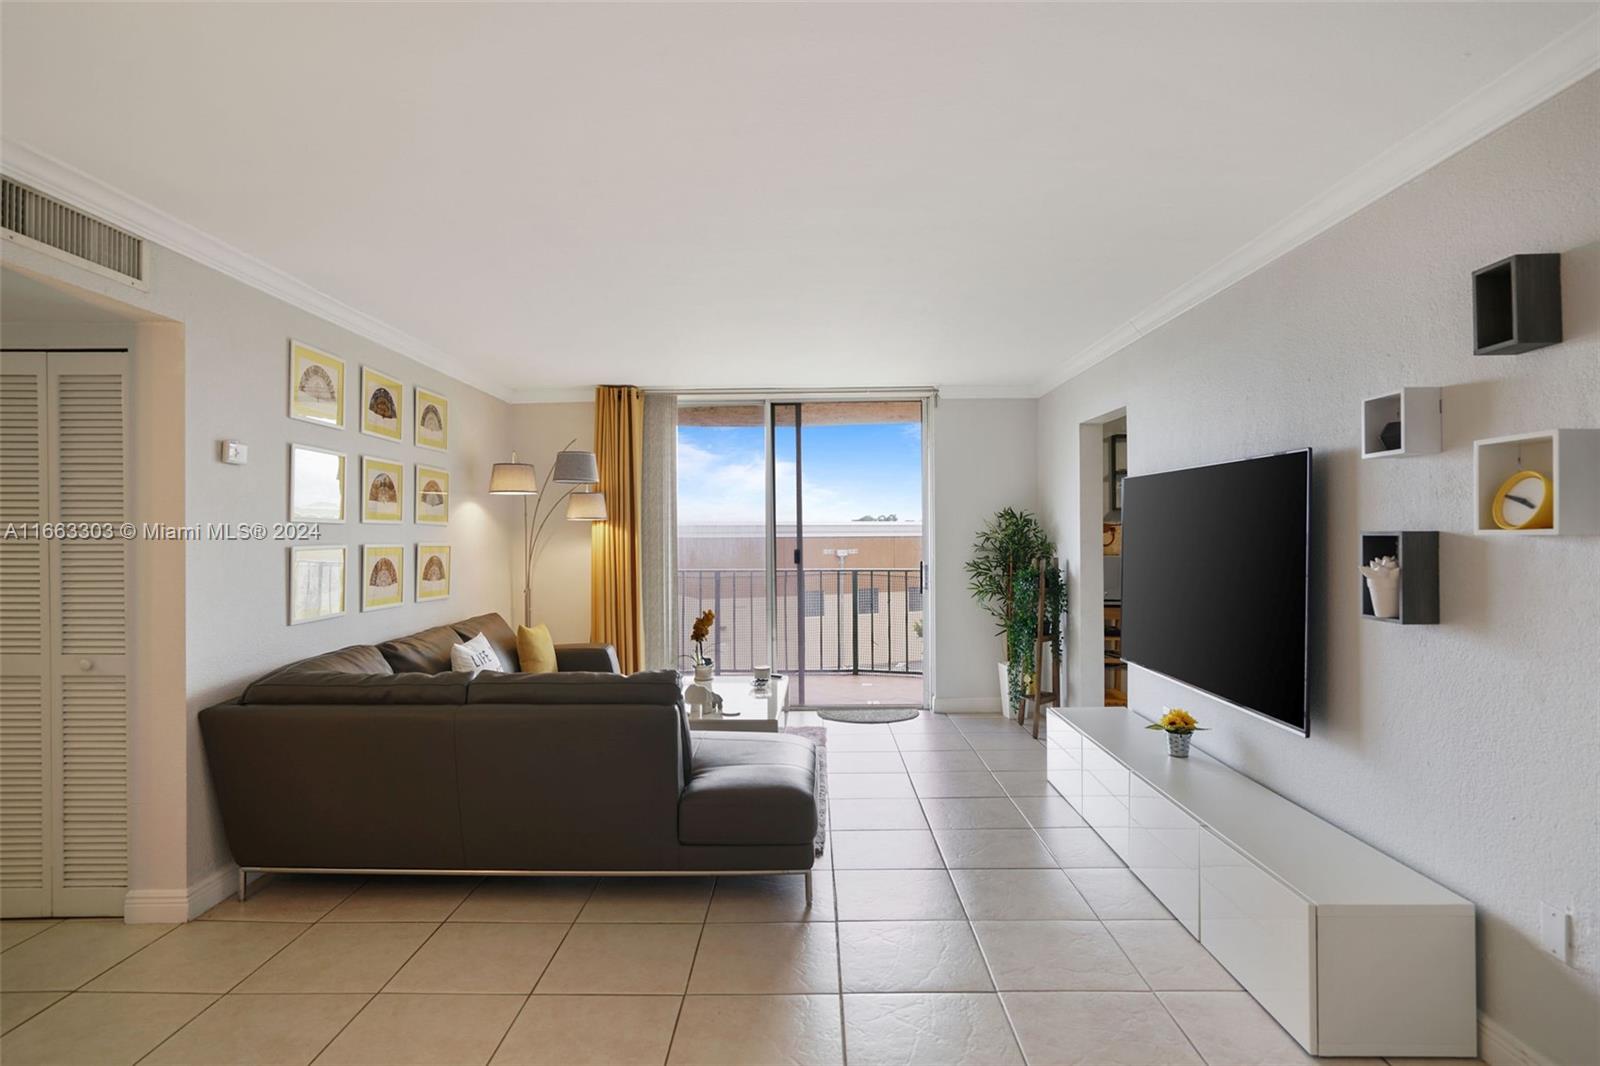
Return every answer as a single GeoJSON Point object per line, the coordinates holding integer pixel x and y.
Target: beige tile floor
{"type": "Point", "coordinates": [963, 914]}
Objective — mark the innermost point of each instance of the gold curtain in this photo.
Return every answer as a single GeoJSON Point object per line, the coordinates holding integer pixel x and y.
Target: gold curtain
{"type": "Point", "coordinates": [615, 612]}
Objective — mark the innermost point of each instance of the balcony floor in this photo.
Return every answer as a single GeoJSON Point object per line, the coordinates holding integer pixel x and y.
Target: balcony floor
{"type": "Point", "coordinates": [859, 690]}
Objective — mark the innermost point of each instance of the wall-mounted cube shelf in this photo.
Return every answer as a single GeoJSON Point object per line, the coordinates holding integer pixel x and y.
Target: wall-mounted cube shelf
{"type": "Point", "coordinates": [1516, 304]}
{"type": "Point", "coordinates": [1418, 413]}
{"type": "Point", "coordinates": [1417, 552]}
{"type": "Point", "coordinates": [1570, 458]}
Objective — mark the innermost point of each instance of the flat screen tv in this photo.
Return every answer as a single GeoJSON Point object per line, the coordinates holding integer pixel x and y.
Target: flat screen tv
{"type": "Point", "coordinates": [1215, 581]}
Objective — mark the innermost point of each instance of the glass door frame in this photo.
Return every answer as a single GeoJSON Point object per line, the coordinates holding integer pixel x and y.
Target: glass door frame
{"type": "Point", "coordinates": [770, 402]}
{"type": "Point", "coordinates": [925, 473]}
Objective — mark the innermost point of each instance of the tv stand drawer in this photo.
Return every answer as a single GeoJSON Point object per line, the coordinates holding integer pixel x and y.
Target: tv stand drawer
{"type": "Point", "coordinates": [1263, 933]}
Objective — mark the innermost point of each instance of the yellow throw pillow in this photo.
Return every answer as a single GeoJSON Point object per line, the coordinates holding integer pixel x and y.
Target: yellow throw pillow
{"type": "Point", "coordinates": [536, 652]}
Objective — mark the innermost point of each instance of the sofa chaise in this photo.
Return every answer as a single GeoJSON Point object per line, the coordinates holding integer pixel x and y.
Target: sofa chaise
{"type": "Point", "coordinates": [379, 759]}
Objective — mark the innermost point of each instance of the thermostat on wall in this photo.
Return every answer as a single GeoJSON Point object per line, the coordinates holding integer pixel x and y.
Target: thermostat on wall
{"type": "Point", "coordinates": [235, 452]}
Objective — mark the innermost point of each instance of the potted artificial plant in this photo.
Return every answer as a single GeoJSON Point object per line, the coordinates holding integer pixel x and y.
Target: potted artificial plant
{"type": "Point", "coordinates": [1180, 726]}
{"type": "Point", "coordinates": [697, 636]}
{"type": "Point", "coordinates": [1003, 576]}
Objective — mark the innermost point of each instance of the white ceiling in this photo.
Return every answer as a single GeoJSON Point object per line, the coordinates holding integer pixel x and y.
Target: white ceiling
{"type": "Point", "coordinates": [970, 196]}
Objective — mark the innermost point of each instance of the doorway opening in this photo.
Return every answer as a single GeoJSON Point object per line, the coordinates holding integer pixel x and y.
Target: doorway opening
{"type": "Point", "coordinates": [1114, 448]}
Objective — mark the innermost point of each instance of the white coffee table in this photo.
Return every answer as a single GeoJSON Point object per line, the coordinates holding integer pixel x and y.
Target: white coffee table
{"type": "Point", "coordinates": [743, 708]}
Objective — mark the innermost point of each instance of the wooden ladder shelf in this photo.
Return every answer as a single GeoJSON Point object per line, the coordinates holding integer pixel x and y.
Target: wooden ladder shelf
{"type": "Point", "coordinates": [1044, 634]}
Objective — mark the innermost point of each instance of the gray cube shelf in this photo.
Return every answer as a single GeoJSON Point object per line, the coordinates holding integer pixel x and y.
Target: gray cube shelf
{"type": "Point", "coordinates": [1418, 554]}
{"type": "Point", "coordinates": [1516, 304]}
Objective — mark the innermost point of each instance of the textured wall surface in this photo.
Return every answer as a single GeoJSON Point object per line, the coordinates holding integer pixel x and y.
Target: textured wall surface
{"type": "Point", "coordinates": [983, 460]}
{"type": "Point", "coordinates": [235, 386]}
{"type": "Point", "coordinates": [1467, 750]}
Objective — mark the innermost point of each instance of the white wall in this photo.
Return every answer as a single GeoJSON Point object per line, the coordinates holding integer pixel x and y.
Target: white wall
{"type": "Point", "coordinates": [1469, 749]}
{"type": "Point", "coordinates": [234, 382]}
{"type": "Point", "coordinates": [561, 571]}
{"type": "Point", "coordinates": [983, 460]}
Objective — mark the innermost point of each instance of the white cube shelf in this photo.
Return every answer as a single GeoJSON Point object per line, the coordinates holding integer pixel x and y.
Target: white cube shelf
{"type": "Point", "coordinates": [1420, 414]}
{"type": "Point", "coordinates": [1570, 458]}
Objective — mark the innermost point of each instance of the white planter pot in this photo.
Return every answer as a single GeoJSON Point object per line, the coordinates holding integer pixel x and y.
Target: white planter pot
{"type": "Point", "coordinates": [1005, 688]}
{"type": "Point", "coordinates": [1385, 593]}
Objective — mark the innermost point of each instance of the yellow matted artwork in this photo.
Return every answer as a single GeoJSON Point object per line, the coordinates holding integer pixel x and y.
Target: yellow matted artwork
{"type": "Point", "coordinates": [433, 420]}
{"type": "Point", "coordinates": [316, 386]}
{"type": "Point", "coordinates": [433, 495]}
{"type": "Point", "coordinates": [383, 576]}
{"type": "Point", "coordinates": [382, 490]}
{"type": "Point", "coordinates": [382, 405]}
{"type": "Point", "coordinates": [433, 572]}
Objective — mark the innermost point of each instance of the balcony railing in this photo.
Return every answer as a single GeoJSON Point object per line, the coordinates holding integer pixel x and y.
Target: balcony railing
{"type": "Point", "coordinates": [847, 620]}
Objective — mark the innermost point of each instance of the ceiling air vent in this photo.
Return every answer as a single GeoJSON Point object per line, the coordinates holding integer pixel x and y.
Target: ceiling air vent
{"type": "Point", "coordinates": [52, 224]}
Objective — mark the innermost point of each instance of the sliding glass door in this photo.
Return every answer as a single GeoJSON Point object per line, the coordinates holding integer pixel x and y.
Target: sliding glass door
{"type": "Point", "coordinates": [801, 526]}
{"type": "Point", "coordinates": [724, 559]}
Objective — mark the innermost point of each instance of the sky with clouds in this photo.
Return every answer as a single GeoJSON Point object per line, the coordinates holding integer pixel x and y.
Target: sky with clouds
{"type": "Point", "coordinates": [849, 471]}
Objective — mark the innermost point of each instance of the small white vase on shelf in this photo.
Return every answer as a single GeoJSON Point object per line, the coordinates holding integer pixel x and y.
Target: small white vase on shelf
{"type": "Point", "coordinates": [1383, 586]}
{"type": "Point", "coordinates": [702, 670]}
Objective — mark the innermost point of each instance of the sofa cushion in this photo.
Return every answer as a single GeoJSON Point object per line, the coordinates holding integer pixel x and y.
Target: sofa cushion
{"type": "Point", "coordinates": [711, 751]}
{"type": "Point", "coordinates": [356, 659]}
{"type": "Point", "coordinates": [427, 652]}
{"type": "Point", "coordinates": [649, 686]}
{"type": "Point", "coordinates": [499, 633]}
{"type": "Point", "coordinates": [536, 652]}
{"type": "Point", "coordinates": [474, 655]}
{"type": "Point", "coordinates": [307, 688]}
{"type": "Point", "coordinates": [750, 790]}
{"type": "Point", "coordinates": [595, 658]}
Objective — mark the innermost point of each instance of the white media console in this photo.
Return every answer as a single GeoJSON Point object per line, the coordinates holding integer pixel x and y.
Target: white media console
{"type": "Point", "coordinates": [1352, 952]}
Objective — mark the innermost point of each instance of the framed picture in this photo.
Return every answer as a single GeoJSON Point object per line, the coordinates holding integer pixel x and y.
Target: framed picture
{"type": "Point", "coordinates": [316, 484]}
{"type": "Point", "coordinates": [382, 405]}
{"type": "Point", "coordinates": [433, 495]}
{"type": "Point", "coordinates": [433, 572]}
{"type": "Point", "coordinates": [382, 490]}
{"type": "Point", "coordinates": [433, 420]}
{"type": "Point", "coordinates": [316, 386]}
{"type": "Point", "coordinates": [316, 583]}
{"type": "Point", "coordinates": [383, 576]}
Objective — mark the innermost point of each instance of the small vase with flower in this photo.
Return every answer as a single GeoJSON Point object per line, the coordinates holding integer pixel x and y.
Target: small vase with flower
{"type": "Point", "coordinates": [1180, 726]}
{"type": "Point", "coordinates": [697, 636]}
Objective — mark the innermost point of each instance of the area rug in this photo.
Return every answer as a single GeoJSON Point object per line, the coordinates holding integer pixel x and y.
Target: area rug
{"type": "Point", "coordinates": [868, 715]}
{"type": "Point", "coordinates": [819, 736]}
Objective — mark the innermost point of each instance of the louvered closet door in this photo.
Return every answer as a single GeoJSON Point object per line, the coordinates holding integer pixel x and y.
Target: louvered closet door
{"type": "Point", "coordinates": [26, 732]}
{"type": "Point", "coordinates": [88, 432]}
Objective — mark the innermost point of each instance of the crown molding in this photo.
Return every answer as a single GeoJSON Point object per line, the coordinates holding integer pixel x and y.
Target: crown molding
{"type": "Point", "coordinates": [1561, 63]}
{"type": "Point", "coordinates": [987, 392]}
{"type": "Point", "coordinates": [70, 185]}
{"type": "Point", "coordinates": [580, 394]}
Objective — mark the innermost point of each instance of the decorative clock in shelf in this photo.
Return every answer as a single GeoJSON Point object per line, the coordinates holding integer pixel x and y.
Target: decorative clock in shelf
{"type": "Point", "coordinates": [1526, 500]}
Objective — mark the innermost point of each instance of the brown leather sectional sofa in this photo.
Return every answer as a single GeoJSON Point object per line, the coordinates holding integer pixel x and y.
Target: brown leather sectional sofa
{"type": "Point", "coordinates": [377, 758]}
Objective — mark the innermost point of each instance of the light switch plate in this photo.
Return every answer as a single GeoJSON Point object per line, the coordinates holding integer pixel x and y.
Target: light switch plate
{"type": "Point", "coordinates": [234, 452]}
{"type": "Point", "coordinates": [1553, 930]}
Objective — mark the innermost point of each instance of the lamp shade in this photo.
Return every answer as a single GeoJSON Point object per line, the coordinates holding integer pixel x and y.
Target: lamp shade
{"type": "Point", "coordinates": [575, 468]}
{"type": "Point", "coordinates": [586, 507]}
{"type": "Point", "coordinates": [513, 479]}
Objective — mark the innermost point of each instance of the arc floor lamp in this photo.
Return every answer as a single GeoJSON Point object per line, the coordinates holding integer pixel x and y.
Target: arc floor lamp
{"type": "Point", "coordinates": [570, 468]}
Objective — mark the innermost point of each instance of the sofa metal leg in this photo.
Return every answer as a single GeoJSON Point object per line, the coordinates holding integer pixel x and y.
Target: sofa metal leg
{"type": "Point", "coordinates": [244, 880]}
{"type": "Point", "coordinates": [808, 889]}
